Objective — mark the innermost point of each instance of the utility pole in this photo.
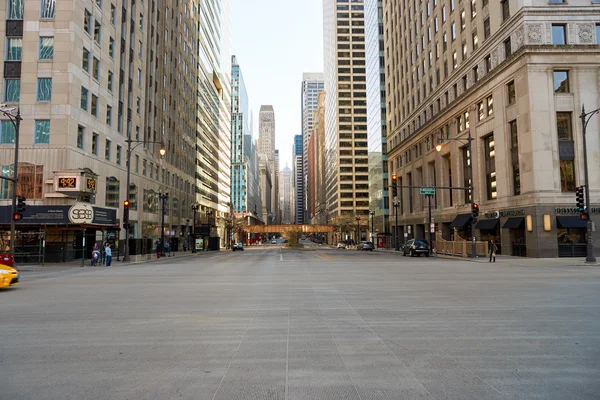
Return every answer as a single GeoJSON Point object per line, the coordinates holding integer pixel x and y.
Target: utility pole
{"type": "Point", "coordinates": [429, 223]}
{"type": "Point", "coordinates": [589, 247]}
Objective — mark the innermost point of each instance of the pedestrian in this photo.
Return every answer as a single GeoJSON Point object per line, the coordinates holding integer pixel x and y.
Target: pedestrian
{"type": "Point", "coordinates": [493, 249]}
{"type": "Point", "coordinates": [185, 245]}
{"type": "Point", "coordinates": [108, 253]}
{"type": "Point", "coordinates": [169, 247]}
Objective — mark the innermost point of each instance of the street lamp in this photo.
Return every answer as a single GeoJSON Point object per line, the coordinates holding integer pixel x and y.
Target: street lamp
{"type": "Point", "coordinates": [396, 204]}
{"type": "Point", "coordinates": [130, 149]}
{"type": "Point", "coordinates": [15, 119]}
{"type": "Point", "coordinates": [468, 142]}
{"type": "Point", "coordinates": [195, 208]}
{"type": "Point", "coordinates": [163, 197]}
{"type": "Point", "coordinates": [372, 214]}
{"type": "Point", "coordinates": [589, 247]}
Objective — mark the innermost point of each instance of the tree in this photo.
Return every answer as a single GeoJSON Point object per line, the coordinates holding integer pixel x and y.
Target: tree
{"type": "Point", "coordinates": [237, 226]}
{"type": "Point", "coordinates": [293, 235]}
{"type": "Point", "coordinates": [344, 224]}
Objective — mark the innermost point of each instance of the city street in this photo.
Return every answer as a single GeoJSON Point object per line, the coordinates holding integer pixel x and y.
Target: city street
{"type": "Point", "coordinates": [272, 323]}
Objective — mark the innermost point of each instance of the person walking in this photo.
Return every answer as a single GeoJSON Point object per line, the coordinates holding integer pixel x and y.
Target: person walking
{"type": "Point", "coordinates": [493, 249]}
{"type": "Point", "coordinates": [169, 248]}
{"type": "Point", "coordinates": [108, 253]}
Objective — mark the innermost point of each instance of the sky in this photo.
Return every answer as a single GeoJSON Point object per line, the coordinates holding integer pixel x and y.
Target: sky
{"type": "Point", "coordinates": [275, 41]}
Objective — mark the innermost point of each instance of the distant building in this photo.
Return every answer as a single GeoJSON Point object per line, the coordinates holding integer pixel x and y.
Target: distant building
{"type": "Point", "coordinates": [266, 189]}
{"type": "Point", "coordinates": [318, 210]}
{"type": "Point", "coordinates": [286, 195]}
{"type": "Point", "coordinates": [266, 147]}
{"type": "Point", "coordinates": [298, 170]}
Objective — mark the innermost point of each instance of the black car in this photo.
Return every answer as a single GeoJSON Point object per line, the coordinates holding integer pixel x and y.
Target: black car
{"type": "Point", "coordinates": [415, 247]}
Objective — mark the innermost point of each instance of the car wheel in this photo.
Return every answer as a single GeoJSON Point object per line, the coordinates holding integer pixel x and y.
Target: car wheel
{"type": "Point", "coordinates": [418, 254]}
{"type": "Point", "coordinates": [412, 253]}
{"type": "Point", "coordinates": [426, 254]}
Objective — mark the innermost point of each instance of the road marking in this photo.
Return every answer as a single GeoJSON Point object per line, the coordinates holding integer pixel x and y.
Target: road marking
{"type": "Point", "coordinates": [280, 257]}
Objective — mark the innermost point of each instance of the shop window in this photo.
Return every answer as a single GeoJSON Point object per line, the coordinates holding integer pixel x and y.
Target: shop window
{"type": "Point", "coordinates": [563, 126]}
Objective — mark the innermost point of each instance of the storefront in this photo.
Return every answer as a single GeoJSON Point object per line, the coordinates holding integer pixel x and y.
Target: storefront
{"type": "Point", "coordinates": [571, 236]}
{"type": "Point", "coordinates": [516, 235]}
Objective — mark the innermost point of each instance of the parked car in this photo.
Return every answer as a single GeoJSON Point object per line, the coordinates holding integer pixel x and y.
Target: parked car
{"type": "Point", "coordinates": [415, 247]}
{"type": "Point", "coordinates": [8, 276]}
{"type": "Point", "coordinates": [238, 246]}
{"type": "Point", "coordinates": [341, 245]}
{"type": "Point", "coordinates": [366, 246]}
{"type": "Point", "coordinates": [274, 241]}
{"type": "Point", "coordinates": [7, 259]}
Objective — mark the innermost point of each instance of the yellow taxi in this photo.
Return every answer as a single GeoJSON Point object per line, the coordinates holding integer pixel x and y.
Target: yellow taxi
{"type": "Point", "coordinates": [8, 276]}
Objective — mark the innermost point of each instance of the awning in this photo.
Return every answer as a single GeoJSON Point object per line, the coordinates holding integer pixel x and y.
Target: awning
{"type": "Point", "coordinates": [460, 221]}
{"type": "Point", "coordinates": [570, 222]}
{"type": "Point", "coordinates": [514, 223]}
{"type": "Point", "coordinates": [487, 224]}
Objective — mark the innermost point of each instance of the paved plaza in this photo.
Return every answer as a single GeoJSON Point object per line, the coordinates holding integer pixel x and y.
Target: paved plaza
{"type": "Point", "coordinates": [329, 324]}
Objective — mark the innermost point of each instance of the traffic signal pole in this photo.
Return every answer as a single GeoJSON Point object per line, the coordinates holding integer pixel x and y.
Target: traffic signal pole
{"type": "Point", "coordinates": [585, 118]}
{"type": "Point", "coordinates": [13, 240]}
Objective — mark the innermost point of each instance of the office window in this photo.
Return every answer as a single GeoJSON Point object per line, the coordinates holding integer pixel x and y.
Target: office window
{"type": "Point", "coordinates": [99, 3]}
{"type": "Point", "coordinates": [561, 81]}
{"type": "Point", "coordinates": [119, 151]}
{"type": "Point", "coordinates": [558, 35]}
{"type": "Point", "coordinates": [110, 81]}
{"type": "Point", "coordinates": [453, 29]}
{"type": "Point", "coordinates": [475, 40]}
{"type": "Point", "coordinates": [84, 99]}
{"type": "Point", "coordinates": [94, 110]}
{"type": "Point", "coordinates": [113, 14]}
{"type": "Point", "coordinates": [87, 22]}
{"type": "Point", "coordinates": [490, 167]}
{"type": "Point", "coordinates": [563, 126]}
{"type": "Point", "coordinates": [567, 175]}
{"type": "Point", "coordinates": [111, 47]}
{"type": "Point", "coordinates": [454, 60]}
{"type": "Point", "coordinates": [137, 164]}
{"type": "Point", "coordinates": [512, 97]}
{"type": "Point", "coordinates": [42, 131]}
{"type": "Point", "coordinates": [597, 33]}
{"type": "Point", "coordinates": [505, 10]}
{"type": "Point", "coordinates": [44, 89]}
{"type": "Point", "coordinates": [107, 150]}
{"type": "Point", "coordinates": [139, 77]}
{"type": "Point", "coordinates": [15, 9]}
{"type": "Point", "coordinates": [490, 105]}
{"type": "Point", "coordinates": [141, 49]}
{"type": "Point", "coordinates": [12, 90]}
{"type": "Point", "coordinates": [108, 115]}
{"type": "Point", "coordinates": [46, 48]}
{"type": "Point", "coordinates": [144, 167]}
{"type": "Point", "coordinates": [514, 149]}
{"type": "Point", "coordinates": [138, 105]}
{"type": "Point", "coordinates": [48, 9]}
{"type": "Point", "coordinates": [486, 28]}
{"type": "Point", "coordinates": [476, 73]}
{"type": "Point", "coordinates": [95, 143]}
{"type": "Point", "coordinates": [481, 109]}
{"type": "Point", "coordinates": [85, 61]}
{"type": "Point", "coordinates": [97, 31]}
{"type": "Point", "coordinates": [7, 132]}
{"type": "Point", "coordinates": [80, 137]}
{"type": "Point", "coordinates": [507, 48]}
{"type": "Point", "coordinates": [96, 69]}
{"type": "Point", "coordinates": [112, 192]}
{"type": "Point", "coordinates": [14, 49]}
{"type": "Point", "coordinates": [142, 22]}
{"type": "Point", "coordinates": [464, 51]}
{"type": "Point", "coordinates": [488, 63]}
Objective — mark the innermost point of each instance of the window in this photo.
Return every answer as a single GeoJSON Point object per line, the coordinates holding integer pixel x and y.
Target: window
{"type": "Point", "coordinates": [108, 115]}
{"type": "Point", "coordinates": [505, 10]}
{"type": "Point", "coordinates": [85, 61]}
{"type": "Point", "coordinates": [512, 97]}
{"type": "Point", "coordinates": [84, 99]}
{"type": "Point", "coordinates": [138, 105]}
{"type": "Point", "coordinates": [14, 48]}
{"type": "Point", "coordinates": [558, 35]}
{"type": "Point", "coordinates": [480, 108]}
{"type": "Point", "coordinates": [107, 150]}
{"type": "Point", "coordinates": [42, 131]}
{"type": "Point", "coordinates": [144, 167]}
{"type": "Point", "coordinates": [475, 73]}
{"type": "Point", "coordinates": [142, 22]}
{"type": "Point", "coordinates": [567, 175]}
{"type": "Point", "coordinates": [111, 48]}
{"type": "Point", "coordinates": [490, 105]}
{"type": "Point", "coordinates": [463, 20]}
{"type": "Point", "coordinates": [137, 164]}
{"type": "Point", "coordinates": [475, 40]}
{"type": "Point", "coordinates": [96, 69]}
{"type": "Point", "coordinates": [561, 81]}
{"type": "Point", "coordinates": [597, 33]}
{"type": "Point", "coordinates": [507, 48]}
{"type": "Point", "coordinates": [464, 51]}
{"type": "Point", "coordinates": [12, 90]}
{"type": "Point", "coordinates": [563, 126]}
{"type": "Point", "coordinates": [141, 49]}
{"type": "Point", "coordinates": [514, 149]}
{"type": "Point", "coordinates": [454, 60]}
{"type": "Point", "coordinates": [473, 9]}
{"type": "Point", "coordinates": [95, 143]}
{"type": "Point", "coordinates": [488, 63]}
{"type": "Point", "coordinates": [99, 3]}
{"type": "Point", "coordinates": [110, 81]}
{"type": "Point", "coordinates": [453, 29]}
{"type": "Point", "coordinates": [46, 48]}
{"type": "Point", "coordinates": [80, 136]}
{"type": "Point", "coordinates": [112, 192]}
{"type": "Point", "coordinates": [486, 28]}
{"type": "Point", "coordinates": [94, 110]}
{"type": "Point", "coordinates": [87, 22]}
{"type": "Point", "coordinates": [97, 31]}
{"type": "Point", "coordinates": [139, 77]}
{"type": "Point", "coordinates": [15, 9]}
{"type": "Point", "coordinates": [44, 89]}
{"type": "Point", "coordinates": [113, 14]}
{"type": "Point", "coordinates": [7, 132]}
{"type": "Point", "coordinates": [490, 167]}
{"type": "Point", "coordinates": [119, 151]}
{"type": "Point", "coordinates": [48, 9]}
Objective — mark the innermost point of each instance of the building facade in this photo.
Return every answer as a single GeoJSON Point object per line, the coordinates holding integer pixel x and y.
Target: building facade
{"type": "Point", "coordinates": [266, 186]}
{"type": "Point", "coordinates": [318, 211]}
{"type": "Point", "coordinates": [286, 195]}
{"type": "Point", "coordinates": [379, 199]}
{"type": "Point", "coordinates": [266, 150]}
{"type": "Point", "coordinates": [312, 84]}
{"type": "Point", "coordinates": [347, 173]}
{"type": "Point", "coordinates": [298, 171]}
{"type": "Point", "coordinates": [514, 76]}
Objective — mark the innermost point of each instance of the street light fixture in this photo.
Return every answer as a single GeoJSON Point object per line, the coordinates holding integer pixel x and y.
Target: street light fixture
{"type": "Point", "coordinates": [162, 151]}
{"type": "Point", "coordinates": [15, 119]}
{"type": "Point", "coordinates": [589, 246]}
{"type": "Point", "coordinates": [195, 208]}
{"type": "Point", "coordinates": [468, 141]}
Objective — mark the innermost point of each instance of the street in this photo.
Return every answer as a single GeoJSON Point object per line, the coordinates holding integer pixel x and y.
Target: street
{"type": "Point", "coordinates": [272, 323]}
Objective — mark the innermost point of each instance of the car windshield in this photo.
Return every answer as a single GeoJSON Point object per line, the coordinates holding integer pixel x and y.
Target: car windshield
{"type": "Point", "coordinates": [420, 243]}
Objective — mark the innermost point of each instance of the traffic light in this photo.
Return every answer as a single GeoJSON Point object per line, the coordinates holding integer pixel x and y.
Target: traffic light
{"type": "Point", "coordinates": [126, 214]}
{"type": "Point", "coordinates": [394, 186]}
{"type": "Point", "coordinates": [21, 207]}
{"type": "Point", "coordinates": [584, 216]}
{"type": "Point", "coordinates": [579, 193]}
{"type": "Point", "coordinates": [475, 211]}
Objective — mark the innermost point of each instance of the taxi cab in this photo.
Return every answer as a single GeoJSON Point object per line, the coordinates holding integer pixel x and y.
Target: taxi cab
{"type": "Point", "coordinates": [8, 276]}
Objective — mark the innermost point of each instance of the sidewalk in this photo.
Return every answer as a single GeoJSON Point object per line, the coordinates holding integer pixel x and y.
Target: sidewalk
{"type": "Point", "coordinates": [115, 262]}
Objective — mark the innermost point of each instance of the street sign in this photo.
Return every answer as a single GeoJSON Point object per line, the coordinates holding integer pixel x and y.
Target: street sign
{"type": "Point", "coordinates": [432, 228]}
{"type": "Point", "coordinates": [427, 191]}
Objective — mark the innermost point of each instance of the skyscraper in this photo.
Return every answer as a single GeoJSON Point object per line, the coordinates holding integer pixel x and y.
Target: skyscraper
{"type": "Point", "coordinates": [246, 197]}
{"type": "Point", "coordinates": [347, 182]}
{"type": "Point", "coordinates": [266, 146]}
{"type": "Point", "coordinates": [379, 201]}
{"type": "Point", "coordinates": [312, 84]}
{"type": "Point", "coordinates": [286, 195]}
{"type": "Point", "coordinates": [298, 180]}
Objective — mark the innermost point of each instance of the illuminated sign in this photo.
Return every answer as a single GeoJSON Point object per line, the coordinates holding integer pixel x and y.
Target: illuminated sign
{"type": "Point", "coordinates": [67, 183]}
{"type": "Point", "coordinates": [91, 184]}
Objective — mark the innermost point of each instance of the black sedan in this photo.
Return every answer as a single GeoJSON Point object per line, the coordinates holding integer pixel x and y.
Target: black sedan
{"type": "Point", "coordinates": [415, 247]}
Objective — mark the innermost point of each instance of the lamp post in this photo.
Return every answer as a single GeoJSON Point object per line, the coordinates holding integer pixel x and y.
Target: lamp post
{"type": "Point", "coordinates": [397, 244]}
{"type": "Point", "coordinates": [589, 246]}
{"type": "Point", "coordinates": [468, 141]}
{"type": "Point", "coordinates": [195, 208]}
{"type": "Point", "coordinates": [372, 213]}
{"type": "Point", "coordinates": [15, 119]}
{"type": "Point", "coordinates": [163, 197]}
{"type": "Point", "coordinates": [130, 149]}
